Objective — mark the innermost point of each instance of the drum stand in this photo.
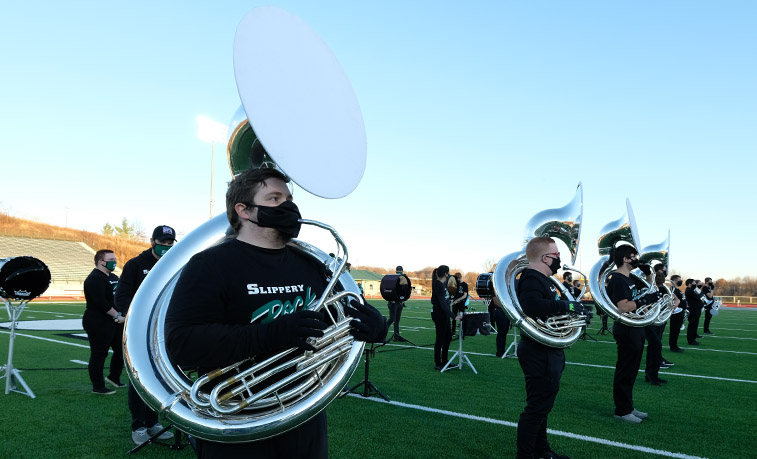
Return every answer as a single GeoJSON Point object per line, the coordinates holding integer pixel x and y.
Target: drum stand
{"type": "Point", "coordinates": [513, 345]}
{"type": "Point", "coordinates": [462, 358]}
{"type": "Point", "coordinates": [11, 374]}
{"type": "Point", "coordinates": [368, 387]}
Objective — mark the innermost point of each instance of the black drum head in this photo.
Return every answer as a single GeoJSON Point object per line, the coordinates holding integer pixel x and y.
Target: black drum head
{"type": "Point", "coordinates": [484, 285]}
{"type": "Point", "coordinates": [396, 287]}
{"type": "Point", "coordinates": [23, 278]}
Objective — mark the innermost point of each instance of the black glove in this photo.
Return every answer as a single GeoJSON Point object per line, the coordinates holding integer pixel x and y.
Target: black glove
{"type": "Point", "coordinates": [648, 299]}
{"type": "Point", "coordinates": [646, 269]}
{"type": "Point", "coordinates": [291, 330]}
{"type": "Point", "coordinates": [369, 325]}
{"type": "Point", "coordinates": [575, 307]}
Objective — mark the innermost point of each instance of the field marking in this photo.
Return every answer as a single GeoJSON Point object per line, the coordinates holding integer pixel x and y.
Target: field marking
{"type": "Point", "coordinates": [559, 433]}
{"type": "Point", "coordinates": [694, 348]}
{"type": "Point", "coordinates": [85, 346]}
{"type": "Point", "coordinates": [82, 362]}
{"type": "Point", "coordinates": [730, 337]}
{"type": "Point", "coordinates": [594, 365]}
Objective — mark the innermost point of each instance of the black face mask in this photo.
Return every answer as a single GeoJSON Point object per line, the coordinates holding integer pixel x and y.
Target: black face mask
{"type": "Point", "coordinates": [679, 283]}
{"type": "Point", "coordinates": [555, 265]}
{"type": "Point", "coordinates": [634, 263]}
{"type": "Point", "coordinates": [284, 218]}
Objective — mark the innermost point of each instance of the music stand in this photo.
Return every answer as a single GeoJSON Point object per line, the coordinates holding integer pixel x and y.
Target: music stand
{"type": "Point", "coordinates": [177, 444]}
{"type": "Point", "coordinates": [11, 374]}
{"type": "Point", "coordinates": [368, 387]}
{"type": "Point", "coordinates": [462, 358]}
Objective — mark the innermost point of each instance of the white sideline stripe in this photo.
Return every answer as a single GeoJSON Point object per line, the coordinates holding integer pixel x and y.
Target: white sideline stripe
{"type": "Point", "coordinates": [80, 361]}
{"type": "Point", "coordinates": [730, 337]}
{"type": "Point", "coordinates": [559, 433]}
{"type": "Point", "coordinates": [694, 348]}
{"type": "Point", "coordinates": [593, 365]}
{"type": "Point", "coordinates": [85, 346]}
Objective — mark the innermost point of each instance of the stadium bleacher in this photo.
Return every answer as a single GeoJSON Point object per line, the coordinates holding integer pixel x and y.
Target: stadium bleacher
{"type": "Point", "coordinates": [69, 262]}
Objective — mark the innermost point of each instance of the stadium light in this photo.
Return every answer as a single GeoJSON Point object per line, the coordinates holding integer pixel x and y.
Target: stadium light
{"type": "Point", "coordinates": [211, 131]}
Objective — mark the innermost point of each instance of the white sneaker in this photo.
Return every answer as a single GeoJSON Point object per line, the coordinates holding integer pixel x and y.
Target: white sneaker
{"type": "Point", "coordinates": [629, 418]}
{"type": "Point", "coordinates": [140, 435]}
{"type": "Point", "coordinates": [639, 414]}
{"type": "Point", "coordinates": [157, 428]}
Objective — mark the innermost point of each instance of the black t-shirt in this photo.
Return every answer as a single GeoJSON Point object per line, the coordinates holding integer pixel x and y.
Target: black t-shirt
{"type": "Point", "coordinates": [621, 287]}
{"type": "Point", "coordinates": [537, 296]}
{"type": "Point", "coordinates": [693, 299]}
{"type": "Point", "coordinates": [706, 290]}
{"type": "Point", "coordinates": [228, 292]}
{"type": "Point", "coordinates": [98, 291]}
{"type": "Point", "coordinates": [221, 304]}
{"type": "Point", "coordinates": [440, 300]}
{"type": "Point", "coordinates": [680, 297]}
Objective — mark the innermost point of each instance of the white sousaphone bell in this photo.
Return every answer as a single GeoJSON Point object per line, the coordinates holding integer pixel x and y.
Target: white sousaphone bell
{"type": "Point", "coordinates": [300, 106]}
{"type": "Point", "coordinates": [564, 224]}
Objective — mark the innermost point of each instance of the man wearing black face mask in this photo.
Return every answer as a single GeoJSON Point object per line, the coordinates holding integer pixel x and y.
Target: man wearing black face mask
{"type": "Point", "coordinates": [249, 297]}
{"type": "Point", "coordinates": [395, 313]}
{"type": "Point", "coordinates": [144, 421]}
{"type": "Point", "coordinates": [676, 319]}
{"type": "Point", "coordinates": [707, 289]}
{"type": "Point", "coordinates": [630, 340]}
{"type": "Point", "coordinates": [694, 300]}
{"type": "Point", "coordinates": [542, 365]}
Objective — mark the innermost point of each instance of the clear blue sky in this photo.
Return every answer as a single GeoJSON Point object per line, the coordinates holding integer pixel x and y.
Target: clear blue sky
{"type": "Point", "coordinates": [478, 115]}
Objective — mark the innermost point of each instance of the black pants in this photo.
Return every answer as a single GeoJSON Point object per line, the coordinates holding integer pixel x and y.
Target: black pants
{"type": "Point", "coordinates": [141, 414]}
{"type": "Point", "coordinates": [676, 320]}
{"type": "Point", "coordinates": [103, 334]}
{"type": "Point", "coordinates": [630, 342]}
{"type": "Point", "coordinates": [691, 332]}
{"type": "Point", "coordinates": [503, 327]}
{"type": "Point", "coordinates": [395, 313]}
{"type": "Point", "coordinates": [443, 338]}
{"type": "Point", "coordinates": [654, 351]}
{"type": "Point", "coordinates": [310, 440]}
{"type": "Point", "coordinates": [707, 319]}
{"type": "Point", "coordinates": [542, 366]}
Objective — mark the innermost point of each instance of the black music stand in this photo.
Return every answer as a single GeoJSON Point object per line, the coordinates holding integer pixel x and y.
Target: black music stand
{"type": "Point", "coordinates": [178, 442]}
{"type": "Point", "coordinates": [368, 387]}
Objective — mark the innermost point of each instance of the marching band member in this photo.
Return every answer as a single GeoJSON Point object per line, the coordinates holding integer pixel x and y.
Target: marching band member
{"type": "Point", "coordinates": [707, 291]}
{"type": "Point", "coordinates": [248, 297]}
{"type": "Point", "coordinates": [458, 303]}
{"type": "Point", "coordinates": [695, 311]}
{"type": "Point", "coordinates": [653, 334]}
{"type": "Point", "coordinates": [441, 315]}
{"type": "Point", "coordinates": [542, 365]}
{"type": "Point", "coordinates": [630, 340]}
{"type": "Point", "coordinates": [395, 312]}
{"type": "Point", "coordinates": [676, 319]}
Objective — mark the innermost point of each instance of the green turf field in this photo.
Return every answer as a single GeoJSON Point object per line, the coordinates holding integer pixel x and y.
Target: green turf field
{"type": "Point", "coordinates": [706, 410]}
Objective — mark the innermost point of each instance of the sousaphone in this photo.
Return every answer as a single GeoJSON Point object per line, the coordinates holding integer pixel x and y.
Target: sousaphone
{"type": "Point", "coordinates": [564, 224]}
{"type": "Point", "coordinates": [299, 106]}
{"type": "Point", "coordinates": [660, 253]}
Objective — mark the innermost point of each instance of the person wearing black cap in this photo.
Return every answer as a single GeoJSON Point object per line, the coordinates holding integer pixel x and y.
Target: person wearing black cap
{"type": "Point", "coordinates": [144, 421]}
{"type": "Point", "coordinates": [250, 298]}
{"type": "Point", "coordinates": [102, 322]}
{"type": "Point", "coordinates": [395, 313]}
{"type": "Point", "coordinates": [441, 315]}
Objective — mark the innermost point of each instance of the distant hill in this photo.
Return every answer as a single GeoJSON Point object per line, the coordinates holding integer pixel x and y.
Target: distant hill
{"type": "Point", "coordinates": [125, 249]}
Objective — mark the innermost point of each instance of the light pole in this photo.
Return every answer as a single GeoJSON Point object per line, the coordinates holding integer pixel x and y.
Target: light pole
{"type": "Point", "coordinates": [210, 131]}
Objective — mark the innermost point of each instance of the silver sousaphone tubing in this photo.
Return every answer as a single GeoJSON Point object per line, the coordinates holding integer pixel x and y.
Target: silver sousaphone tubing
{"type": "Point", "coordinates": [660, 253]}
{"type": "Point", "coordinates": [564, 224]}
{"type": "Point", "coordinates": [306, 115]}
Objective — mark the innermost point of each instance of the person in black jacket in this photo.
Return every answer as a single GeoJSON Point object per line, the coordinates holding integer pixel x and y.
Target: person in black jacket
{"type": "Point", "coordinates": [144, 421]}
{"type": "Point", "coordinates": [693, 299]}
{"type": "Point", "coordinates": [249, 297]}
{"type": "Point", "coordinates": [630, 340]}
{"type": "Point", "coordinates": [458, 302]}
{"type": "Point", "coordinates": [676, 319]}
{"type": "Point", "coordinates": [395, 312]}
{"type": "Point", "coordinates": [441, 315]}
{"type": "Point", "coordinates": [707, 289]}
{"type": "Point", "coordinates": [542, 365]}
{"type": "Point", "coordinates": [100, 321]}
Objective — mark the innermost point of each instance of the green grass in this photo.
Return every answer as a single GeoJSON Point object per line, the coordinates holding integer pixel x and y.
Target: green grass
{"type": "Point", "coordinates": [695, 414]}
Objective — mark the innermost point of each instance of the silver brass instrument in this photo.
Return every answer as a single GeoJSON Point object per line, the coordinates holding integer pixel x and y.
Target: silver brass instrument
{"type": "Point", "coordinates": [260, 399]}
{"type": "Point", "coordinates": [715, 308]}
{"type": "Point", "coordinates": [613, 233]}
{"type": "Point", "coordinates": [564, 224]}
{"type": "Point", "coordinates": [660, 253]}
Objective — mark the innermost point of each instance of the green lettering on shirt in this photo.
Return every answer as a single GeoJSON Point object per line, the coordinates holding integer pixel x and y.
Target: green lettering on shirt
{"type": "Point", "coordinates": [273, 309]}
